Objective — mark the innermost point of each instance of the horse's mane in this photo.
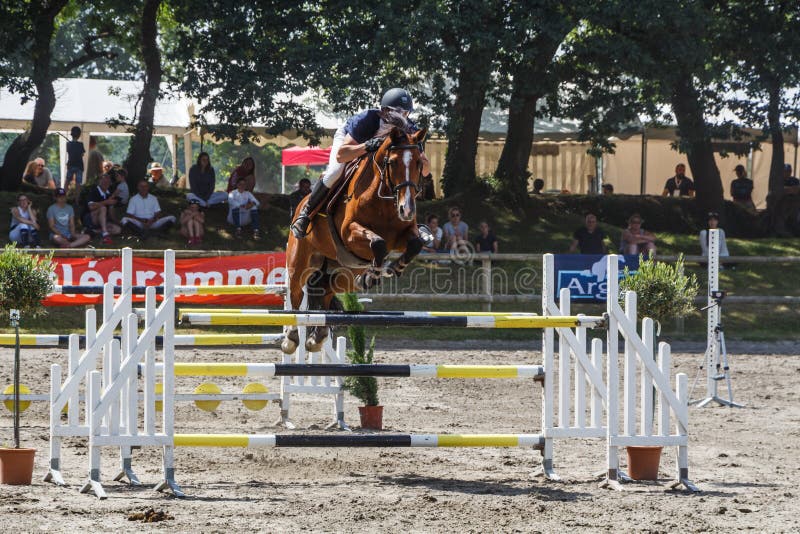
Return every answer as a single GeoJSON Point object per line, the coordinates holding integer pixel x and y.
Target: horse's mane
{"type": "Point", "coordinates": [394, 124]}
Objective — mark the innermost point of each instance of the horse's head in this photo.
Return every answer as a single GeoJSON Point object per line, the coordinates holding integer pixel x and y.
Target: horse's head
{"type": "Point", "coordinates": [400, 165]}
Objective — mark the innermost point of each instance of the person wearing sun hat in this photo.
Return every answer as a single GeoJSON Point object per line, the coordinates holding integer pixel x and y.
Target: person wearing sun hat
{"type": "Point", "coordinates": [157, 178]}
{"type": "Point", "coordinates": [61, 221]}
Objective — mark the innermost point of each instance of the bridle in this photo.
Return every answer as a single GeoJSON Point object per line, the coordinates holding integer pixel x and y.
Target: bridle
{"type": "Point", "coordinates": [384, 171]}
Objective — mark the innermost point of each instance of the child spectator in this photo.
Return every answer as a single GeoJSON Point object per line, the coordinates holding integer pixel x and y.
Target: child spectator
{"type": "Point", "coordinates": [202, 180]}
{"type": "Point", "coordinates": [589, 239]}
{"type": "Point", "coordinates": [243, 209]}
{"type": "Point", "coordinates": [246, 170]}
{"type": "Point", "coordinates": [121, 191]}
{"type": "Point", "coordinates": [486, 241]}
{"type": "Point", "coordinates": [24, 228]}
{"type": "Point", "coordinates": [713, 224]}
{"type": "Point", "coordinates": [456, 231]}
{"type": "Point", "coordinates": [742, 188]}
{"type": "Point", "coordinates": [75, 152]}
{"type": "Point", "coordinates": [99, 203]}
{"type": "Point", "coordinates": [193, 223]}
{"type": "Point", "coordinates": [636, 240]}
{"type": "Point", "coordinates": [61, 220]}
{"type": "Point", "coordinates": [144, 213]}
{"type": "Point", "coordinates": [39, 176]}
{"type": "Point", "coordinates": [436, 231]}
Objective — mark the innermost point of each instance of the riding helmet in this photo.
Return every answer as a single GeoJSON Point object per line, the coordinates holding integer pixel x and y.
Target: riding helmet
{"type": "Point", "coordinates": [397, 98]}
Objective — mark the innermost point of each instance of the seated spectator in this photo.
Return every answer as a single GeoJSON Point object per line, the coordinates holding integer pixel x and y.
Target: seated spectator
{"type": "Point", "coordinates": [486, 241]}
{"type": "Point", "coordinates": [246, 170]}
{"type": "Point", "coordinates": [157, 178]}
{"type": "Point", "coordinates": [202, 180]}
{"type": "Point", "coordinates": [96, 214]}
{"type": "Point", "coordinates": [39, 176]}
{"type": "Point", "coordinates": [456, 231]}
{"type": "Point", "coordinates": [680, 183]}
{"type": "Point", "coordinates": [538, 185]}
{"type": "Point", "coordinates": [742, 188]}
{"type": "Point", "coordinates": [108, 165]}
{"type": "Point", "coordinates": [303, 189]}
{"type": "Point", "coordinates": [24, 227]}
{"type": "Point", "coordinates": [428, 188]}
{"type": "Point", "coordinates": [61, 220]}
{"type": "Point", "coordinates": [713, 224]}
{"type": "Point", "coordinates": [243, 209]}
{"type": "Point", "coordinates": [589, 239]}
{"type": "Point", "coordinates": [636, 240]}
{"type": "Point", "coordinates": [791, 185]}
{"type": "Point", "coordinates": [436, 231]}
{"type": "Point", "coordinates": [193, 222]}
{"type": "Point", "coordinates": [608, 189]}
{"type": "Point", "coordinates": [144, 213]}
{"type": "Point", "coordinates": [121, 191]}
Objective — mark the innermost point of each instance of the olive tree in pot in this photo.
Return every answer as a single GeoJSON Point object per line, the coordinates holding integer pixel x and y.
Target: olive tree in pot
{"type": "Point", "coordinates": [25, 280]}
{"type": "Point", "coordinates": [663, 292]}
{"type": "Point", "coordinates": [364, 388]}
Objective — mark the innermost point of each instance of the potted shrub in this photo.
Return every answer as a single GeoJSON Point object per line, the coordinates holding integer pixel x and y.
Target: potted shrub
{"type": "Point", "coordinates": [364, 388]}
{"type": "Point", "coordinates": [25, 280]}
{"type": "Point", "coordinates": [663, 292]}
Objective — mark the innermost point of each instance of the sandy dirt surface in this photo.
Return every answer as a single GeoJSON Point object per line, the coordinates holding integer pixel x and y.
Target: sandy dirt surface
{"type": "Point", "coordinates": [745, 461]}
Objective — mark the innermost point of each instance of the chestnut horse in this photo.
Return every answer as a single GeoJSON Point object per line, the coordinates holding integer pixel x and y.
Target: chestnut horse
{"type": "Point", "coordinates": [345, 250]}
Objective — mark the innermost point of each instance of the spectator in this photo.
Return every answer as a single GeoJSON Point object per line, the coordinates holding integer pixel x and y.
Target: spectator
{"type": "Point", "coordinates": [428, 187]}
{"type": "Point", "coordinates": [120, 192]}
{"type": "Point", "coordinates": [61, 220]}
{"type": "Point", "coordinates": [456, 231]}
{"type": "Point", "coordinates": [608, 189]}
{"type": "Point", "coordinates": [202, 179]}
{"type": "Point", "coordinates": [99, 203]}
{"type": "Point", "coordinates": [246, 170]}
{"type": "Point", "coordinates": [742, 188]}
{"type": "Point", "coordinates": [193, 222]}
{"type": "Point", "coordinates": [589, 239]}
{"type": "Point", "coordinates": [144, 213]}
{"type": "Point", "coordinates": [75, 152]}
{"type": "Point", "coordinates": [538, 185]}
{"type": "Point", "coordinates": [436, 231]}
{"type": "Point", "coordinates": [24, 228]}
{"type": "Point", "coordinates": [791, 185]}
{"type": "Point", "coordinates": [107, 165]}
{"type": "Point", "coordinates": [486, 241]}
{"type": "Point", "coordinates": [636, 240]}
{"type": "Point", "coordinates": [39, 176]}
{"type": "Point", "coordinates": [303, 189]}
{"type": "Point", "coordinates": [94, 167]}
{"type": "Point", "coordinates": [713, 224]}
{"type": "Point", "coordinates": [243, 209]}
{"type": "Point", "coordinates": [680, 183]}
{"type": "Point", "coordinates": [157, 178]}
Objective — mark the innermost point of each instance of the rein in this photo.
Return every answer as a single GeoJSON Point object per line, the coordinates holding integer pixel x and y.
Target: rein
{"type": "Point", "coordinates": [385, 178]}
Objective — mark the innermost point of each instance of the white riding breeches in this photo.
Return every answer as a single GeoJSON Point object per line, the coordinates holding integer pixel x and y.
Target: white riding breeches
{"type": "Point", "coordinates": [334, 170]}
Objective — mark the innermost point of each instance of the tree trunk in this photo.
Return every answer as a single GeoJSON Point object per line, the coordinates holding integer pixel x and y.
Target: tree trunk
{"type": "Point", "coordinates": [529, 86]}
{"type": "Point", "coordinates": [19, 153]}
{"type": "Point", "coordinates": [465, 122]}
{"type": "Point", "coordinates": [776, 137]}
{"type": "Point", "coordinates": [696, 141]}
{"type": "Point", "coordinates": [139, 150]}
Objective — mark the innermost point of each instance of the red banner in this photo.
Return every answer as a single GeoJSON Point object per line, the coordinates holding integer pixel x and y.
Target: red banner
{"type": "Point", "coordinates": [251, 269]}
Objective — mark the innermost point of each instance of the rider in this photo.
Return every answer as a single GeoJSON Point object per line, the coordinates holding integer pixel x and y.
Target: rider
{"type": "Point", "coordinates": [352, 141]}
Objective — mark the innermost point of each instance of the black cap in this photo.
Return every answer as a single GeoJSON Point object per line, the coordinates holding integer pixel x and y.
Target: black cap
{"type": "Point", "coordinates": [194, 201]}
{"type": "Point", "coordinates": [713, 215]}
{"type": "Point", "coordinates": [60, 192]}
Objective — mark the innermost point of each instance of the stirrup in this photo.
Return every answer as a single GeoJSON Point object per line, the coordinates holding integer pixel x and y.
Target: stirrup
{"type": "Point", "coordinates": [300, 226]}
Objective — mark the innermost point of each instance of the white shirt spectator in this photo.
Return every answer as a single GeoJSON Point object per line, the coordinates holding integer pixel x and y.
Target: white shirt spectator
{"type": "Point", "coordinates": [239, 200]}
{"type": "Point", "coordinates": [144, 207]}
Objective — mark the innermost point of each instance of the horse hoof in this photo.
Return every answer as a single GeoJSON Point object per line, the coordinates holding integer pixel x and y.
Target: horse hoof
{"type": "Point", "coordinates": [313, 345]}
{"type": "Point", "coordinates": [288, 346]}
{"type": "Point", "coordinates": [364, 283]}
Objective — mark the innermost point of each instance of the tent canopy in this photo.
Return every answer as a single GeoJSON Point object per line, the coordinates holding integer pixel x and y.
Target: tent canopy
{"type": "Point", "coordinates": [305, 156]}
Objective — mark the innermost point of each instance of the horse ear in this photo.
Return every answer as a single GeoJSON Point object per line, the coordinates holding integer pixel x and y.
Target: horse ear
{"type": "Point", "coordinates": [419, 135]}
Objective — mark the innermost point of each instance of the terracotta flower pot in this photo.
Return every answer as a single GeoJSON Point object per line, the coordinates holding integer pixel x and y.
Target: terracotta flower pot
{"type": "Point", "coordinates": [16, 466]}
{"type": "Point", "coordinates": [643, 462]}
{"type": "Point", "coordinates": [371, 417]}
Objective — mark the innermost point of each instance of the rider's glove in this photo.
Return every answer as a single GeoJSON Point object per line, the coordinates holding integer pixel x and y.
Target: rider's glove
{"type": "Point", "coordinates": [373, 144]}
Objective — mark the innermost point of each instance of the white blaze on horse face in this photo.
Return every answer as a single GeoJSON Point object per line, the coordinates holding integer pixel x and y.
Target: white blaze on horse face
{"type": "Point", "coordinates": [406, 203]}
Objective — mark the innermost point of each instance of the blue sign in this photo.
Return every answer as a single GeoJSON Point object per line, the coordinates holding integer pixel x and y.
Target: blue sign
{"type": "Point", "coordinates": [585, 275]}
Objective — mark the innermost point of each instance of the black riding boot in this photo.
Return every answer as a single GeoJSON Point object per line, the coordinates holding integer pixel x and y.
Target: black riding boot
{"type": "Point", "coordinates": [315, 198]}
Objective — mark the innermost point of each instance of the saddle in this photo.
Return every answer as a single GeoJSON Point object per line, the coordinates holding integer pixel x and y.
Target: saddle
{"type": "Point", "coordinates": [344, 256]}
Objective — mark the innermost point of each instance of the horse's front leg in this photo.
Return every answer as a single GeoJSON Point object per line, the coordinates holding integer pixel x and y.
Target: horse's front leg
{"type": "Point", "coordinates": [414, 245]}
{"type": "Point", "coordinates": [361, 238]}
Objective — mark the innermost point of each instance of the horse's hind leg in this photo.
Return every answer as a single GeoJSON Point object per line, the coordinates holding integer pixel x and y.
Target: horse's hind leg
{"type": "Point", "coordinates": [299, 258]}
